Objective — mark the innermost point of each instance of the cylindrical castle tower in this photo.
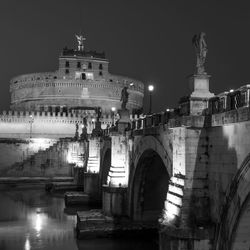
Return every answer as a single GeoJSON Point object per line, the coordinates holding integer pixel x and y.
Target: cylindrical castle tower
{"type": "Point", "coordinates": [82, 82]}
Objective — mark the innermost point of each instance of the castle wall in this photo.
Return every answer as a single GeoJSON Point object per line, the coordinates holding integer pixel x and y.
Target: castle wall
{"type": "Point", "coordinates": [29, 92]}
{"type": "Point", "coordinates": [35, 125]}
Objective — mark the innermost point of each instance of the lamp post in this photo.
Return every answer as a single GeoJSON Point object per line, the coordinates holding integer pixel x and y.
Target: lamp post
{"type": "Point", "coordinates": [150, 89]}
{"type": "Point", "coordinates": [113, 109]}
{"type": "Point", "coordinates": [30, 122]}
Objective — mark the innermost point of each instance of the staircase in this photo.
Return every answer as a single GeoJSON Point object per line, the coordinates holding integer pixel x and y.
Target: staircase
{"type": "Point", "coordinates": [49, 162]}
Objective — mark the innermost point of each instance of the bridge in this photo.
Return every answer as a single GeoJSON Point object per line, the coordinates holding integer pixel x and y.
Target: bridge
{"type": "Point", "coordinates": [186, 170]}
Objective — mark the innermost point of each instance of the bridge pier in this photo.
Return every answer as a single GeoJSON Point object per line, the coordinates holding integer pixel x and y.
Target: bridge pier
{"type": "Point", "coordinates": [175, 239]}
{"type": "Point", "coordinates": [91, 176]}
{"type": "Point", "coordinates": [186, 223]}
{"type": "Point", "coordinates": [115, 192]}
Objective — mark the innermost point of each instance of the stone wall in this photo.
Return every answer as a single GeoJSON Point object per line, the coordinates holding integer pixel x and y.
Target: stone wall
{"type": "Point", "coordinates": [228, 147]}
{"type": "Point", "coordinates": [15, 124]}
{"type": "Point", "coordinates": [38, 157]}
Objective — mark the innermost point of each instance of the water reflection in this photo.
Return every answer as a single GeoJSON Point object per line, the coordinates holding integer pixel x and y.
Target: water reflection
{"type": "Point", "coordinates": [27, 243]}
{"type": "Point", "coordinates": [31, 219]}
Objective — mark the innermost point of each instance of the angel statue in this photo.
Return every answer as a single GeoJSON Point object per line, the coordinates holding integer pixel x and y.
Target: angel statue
{"type": "Point", "coordinates": [200, 46]}
{"type": "Point", "coordinates": [80, 40]}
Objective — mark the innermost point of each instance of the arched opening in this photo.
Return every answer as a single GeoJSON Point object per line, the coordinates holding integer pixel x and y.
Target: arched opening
{"type": "Point", "coordinates": [149, 188]}
{"type": "Point", "coordinates": [241, 233]}
{"type": "Point", "coordinates": [233, 230]}
{"type": "Point", "coordinates": [105, 166]}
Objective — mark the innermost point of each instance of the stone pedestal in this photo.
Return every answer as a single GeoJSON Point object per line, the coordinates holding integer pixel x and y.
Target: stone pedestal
{"type": "Point", "coordinates": [199, 85]}
{"type": "Point", "coordinates": [118, 173]}
{"type": "Point", "coordinates": [93, 164]}
{"type": "Point", "coordinates": [124, 120]}
{"type": "Point", "coordinates": [115, 193]}
{"type": "Point", "coordinates": [114, 201]}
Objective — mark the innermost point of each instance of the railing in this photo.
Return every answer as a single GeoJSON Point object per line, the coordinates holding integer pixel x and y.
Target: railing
{"type": "Point", "coordinates": [227, 101]}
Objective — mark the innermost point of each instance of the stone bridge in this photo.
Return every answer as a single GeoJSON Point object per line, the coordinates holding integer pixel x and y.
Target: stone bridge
{"type": "Point", "coordinates": [186, 172]}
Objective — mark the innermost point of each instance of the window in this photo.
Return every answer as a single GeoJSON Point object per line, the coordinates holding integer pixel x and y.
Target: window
{"type": "Point", "coordinates": [50, 109]}
{"type": "Point", "coordinates": [100, 66]}
{"type": "Point", "coordinates": [89, 76]}
{"type": "Point", "coordinates": [78, 65]}
{"type": "Point", "coordinates": [66, 71]}
{"type": "Point", "coordinates": [67, 64]}
{"type": "Point", "coordinates": [83, 76]}
{"type": "Point", "coordinates": [100, 73]}
{"type": "Point", "coordinates": [64, 109]}
{"type": "Point", "coordinates": [57, 109]}
{"type": "Point", "coordinates": [90, 65]}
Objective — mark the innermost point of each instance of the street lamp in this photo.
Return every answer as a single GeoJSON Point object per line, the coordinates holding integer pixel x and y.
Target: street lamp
{"type": "Point", "coordinates": [150, 89]}
{"type": "Point", "coordinates": [113, 109]}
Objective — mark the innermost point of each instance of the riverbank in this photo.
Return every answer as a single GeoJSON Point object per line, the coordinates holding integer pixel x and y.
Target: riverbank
{"type": "Point", "coordinates": [19, 182]}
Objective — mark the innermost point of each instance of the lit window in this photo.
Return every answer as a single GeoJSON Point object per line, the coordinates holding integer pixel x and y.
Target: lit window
{"type": "Point", "coordinates": [89, 76]}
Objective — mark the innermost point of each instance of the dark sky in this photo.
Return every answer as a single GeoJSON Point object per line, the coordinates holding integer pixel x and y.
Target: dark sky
{"type": "Point", "coordinates": [146, 39]}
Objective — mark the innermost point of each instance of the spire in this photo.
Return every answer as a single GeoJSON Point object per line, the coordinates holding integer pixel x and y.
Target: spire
{"type": "Point", "coordinates": [80, 40]}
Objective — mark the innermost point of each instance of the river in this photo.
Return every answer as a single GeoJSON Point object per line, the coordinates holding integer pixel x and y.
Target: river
{"type": "Point", "coordinates": [32, 219]}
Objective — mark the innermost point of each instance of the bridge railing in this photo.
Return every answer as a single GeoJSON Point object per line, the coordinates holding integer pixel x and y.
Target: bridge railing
{"type": "Point", "coordinates": [152, 120]}
{"type": "Point", "coordinates": [229, 100]}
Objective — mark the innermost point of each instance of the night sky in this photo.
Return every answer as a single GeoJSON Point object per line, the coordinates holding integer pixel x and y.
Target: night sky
{"type": "Point", "coordinates": [149, 40]}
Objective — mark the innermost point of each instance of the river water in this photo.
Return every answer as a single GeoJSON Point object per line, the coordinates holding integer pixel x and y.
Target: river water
{"type": "Point", "coordinates": [32, 219]}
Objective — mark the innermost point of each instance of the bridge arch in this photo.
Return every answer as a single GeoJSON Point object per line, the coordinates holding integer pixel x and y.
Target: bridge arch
{"type": "Point", "coordinates": [149, 180]}
{"type": "Point", "coordinates": [233, 231]}
{"type": "Point", "coordinates": [151, 143]}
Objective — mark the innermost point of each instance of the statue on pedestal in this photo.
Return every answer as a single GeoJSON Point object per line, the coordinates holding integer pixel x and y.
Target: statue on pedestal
{"type": "Point", "coordinates": [80, 40]}
{"type": "Point", "coordinates": [201, 52]}
{"type": "Point", "coordinates": [124, 97]}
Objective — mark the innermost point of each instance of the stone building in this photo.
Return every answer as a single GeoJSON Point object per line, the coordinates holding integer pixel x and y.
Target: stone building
{"type": "Point", "coordinates": [82, 82]}
{"type": "Point", "coordinates": [48, 106]}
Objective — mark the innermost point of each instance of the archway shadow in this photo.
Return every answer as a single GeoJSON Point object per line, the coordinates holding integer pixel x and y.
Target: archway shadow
{"type": "Point", "coordinates": [149, 188]}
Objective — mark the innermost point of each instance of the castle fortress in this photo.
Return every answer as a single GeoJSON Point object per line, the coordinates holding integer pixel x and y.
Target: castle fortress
{"type": "Point", "coordinates": [53, 102]}
{"type": "Point", "coordinates": [49, 109]}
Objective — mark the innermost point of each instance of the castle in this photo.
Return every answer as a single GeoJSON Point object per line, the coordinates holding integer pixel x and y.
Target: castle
{"type": "Point", "coordinates": [80, 86]}
{"type": "Point", "coordinates": [52, 105]}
